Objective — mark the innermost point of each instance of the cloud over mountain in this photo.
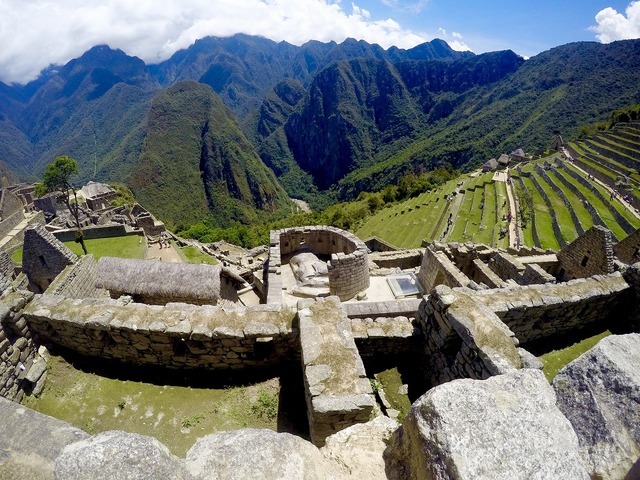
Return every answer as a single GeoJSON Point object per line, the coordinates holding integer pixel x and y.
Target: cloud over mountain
{"type": "Point", "coordinates": [613, 25]}
{"type": "Point", "coordinates": [38, 33]}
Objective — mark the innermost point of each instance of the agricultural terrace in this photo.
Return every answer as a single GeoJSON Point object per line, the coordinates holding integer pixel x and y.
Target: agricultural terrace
{"type": "Point", "coordinates": [565, 201]}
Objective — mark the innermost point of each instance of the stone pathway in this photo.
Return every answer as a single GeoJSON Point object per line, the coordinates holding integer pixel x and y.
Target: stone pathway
{"type": "Point", "coordinates": [513, 224]}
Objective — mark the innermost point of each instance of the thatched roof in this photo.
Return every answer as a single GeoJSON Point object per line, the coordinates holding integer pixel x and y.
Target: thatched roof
{"type": "Point", "coordinates": [503, 159]}
{"type": "Point", "coordinates": [177, 282]}
{"type": "Point", "coordinates": [490, 165]}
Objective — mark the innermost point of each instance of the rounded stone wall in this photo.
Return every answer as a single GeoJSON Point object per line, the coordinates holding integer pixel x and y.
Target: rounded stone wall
{"type": "Point", "coordinates": [348, 266]}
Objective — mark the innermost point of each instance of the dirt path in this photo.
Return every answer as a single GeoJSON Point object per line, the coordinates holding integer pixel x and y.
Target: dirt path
{"type": "Point", "coordinates": [154, 252]}
{"type": "Point", "coordinates": [513, 224]}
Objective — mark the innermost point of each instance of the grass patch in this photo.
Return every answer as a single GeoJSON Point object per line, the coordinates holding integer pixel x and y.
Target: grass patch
{"type": "Point", "coordinates": [127, 246]}
{"type": "Point", "coordinates": [193, 255]}
{"type": "Point", "coordinates": [556, 359]}
{"type": "Point", "coordinates": [176, 411]}
{"type": "Point", "coordinates": [391, 381]}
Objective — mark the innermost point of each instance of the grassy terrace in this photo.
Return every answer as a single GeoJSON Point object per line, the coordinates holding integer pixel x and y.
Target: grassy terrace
{"type": "Point", "coordinates": [604, 212]}
{"type": "Point", "coordinates": [565, 222]}
{"type": "Point", "coordinates": [406, 224]}
{"type": "Point", "coordinates": [620, 208]}
{"type": "Point", "coordinates": [461, 220]}
{"type": "Point", "coordinates": [578, 207]}
{"type": "Point", "coordinates": [542, 218]}
{"type": "Point", "coordinates": [127, 246]}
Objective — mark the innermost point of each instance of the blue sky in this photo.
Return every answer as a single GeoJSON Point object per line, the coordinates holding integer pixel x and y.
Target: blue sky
{"type": "Point", "coordinates": [526, 27]}
{"type": "Point", "coordinates": [37, 33]}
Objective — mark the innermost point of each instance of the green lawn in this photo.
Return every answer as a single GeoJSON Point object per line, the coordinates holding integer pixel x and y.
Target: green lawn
{"type": "Point", "coordinates": [563, 216]}
{"type": "Point", "coordinates": [542, 218]}
{"type": "Point", "coordinates": [556, 359]}
{"type": "Point", "coordinates": [175, 409]}
{"type": "Point", "coordinates": [127, 246]}
{"type": "Point", "coordinates": [193, 255]}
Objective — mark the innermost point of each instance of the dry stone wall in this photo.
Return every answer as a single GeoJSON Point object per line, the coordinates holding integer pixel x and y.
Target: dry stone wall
{"type": "Point", "coordinates": [337, 390]}
{"type": "Point", "coordinates": [463, 338]}
{"type": "Point", "coordinates": [348, 267]}
{"type": "Point", "coordinates": [175, 335]}
{"type": "Point", "coordinates": [438, 269]}
{"type": "Point", "coordinates": [545, 311]}
{"type": "Point", "coordinates": [628, 250]}
{"type": "Point", "coordinates": [20, 372]}
{"type": "Point", "coordinates": [101, 231]}
{"type": "Point", "coordinates": [44, 257]}
{"type": "Point", "coordinates": [589, 254]}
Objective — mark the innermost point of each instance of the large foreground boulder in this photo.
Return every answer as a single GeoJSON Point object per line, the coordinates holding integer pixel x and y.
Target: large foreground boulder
{"type": "Point", "coordinates": [599, 393]}
{"type": "Point", "coordinates": [253, 453]}
{"type": "Point", "coordinates": [116, 455]}
{"type": "Point", "coordinates": [506, 427]}
{"type": "Point", "coordinates": [31, 441]}
{"type": "Point", "coordinates": [359, 449]}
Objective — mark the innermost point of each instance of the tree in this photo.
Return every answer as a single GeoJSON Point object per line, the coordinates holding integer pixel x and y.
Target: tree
{"type": "Point", "coordinates": [57, 178]}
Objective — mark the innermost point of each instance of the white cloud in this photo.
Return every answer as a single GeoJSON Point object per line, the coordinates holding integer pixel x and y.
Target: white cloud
{"type": "Point", "coordinates": [411, 7]}
{"type": "Point", "coordinates": [37, 33]}
{"type": "Point", "coordinates": [454, 40]}
{"type": "Point", "coordinates": [612, 25]}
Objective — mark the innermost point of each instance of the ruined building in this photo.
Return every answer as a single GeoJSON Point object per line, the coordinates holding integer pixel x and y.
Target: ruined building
{"type": "Point", "coordinates": [452, 311]}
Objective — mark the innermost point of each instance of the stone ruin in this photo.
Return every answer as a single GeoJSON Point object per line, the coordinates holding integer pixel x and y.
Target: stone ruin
{"type": "Point", "coordinates": [467, 340]}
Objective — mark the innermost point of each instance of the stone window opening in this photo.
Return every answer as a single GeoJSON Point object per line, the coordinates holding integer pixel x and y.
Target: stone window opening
{"type": "Point", "coordinates": [584, 261]}
{"type": "Point", "coordinates": [43, 262]}
{"type": "Point", "coordinates": [179, 347]}
{"type": "Point", "coordinates": [263, 348]}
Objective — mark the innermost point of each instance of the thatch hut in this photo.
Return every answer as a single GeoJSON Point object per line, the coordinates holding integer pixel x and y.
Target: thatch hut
{"type": "Point", "coordinates": [490, 165]}
{"type": "Point", "coordinates": [503, 160]}
{"type": "Point", "coordinates": [518, 155]}
{"type": "Point", "coordinates": [158, 283]}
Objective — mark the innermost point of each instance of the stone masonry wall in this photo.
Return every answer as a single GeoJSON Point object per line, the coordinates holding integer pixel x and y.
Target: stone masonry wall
{"type": "Point", "coordinates": [463, 338]}
{"type": "Point", "coordinates": [44, 258]}
{"type": "Point", "coordinates": [437, 269]}
{"type": "Point", "coordinates": [9, 223]}
{"type": "Point", "coordinates": [101, 231]}
{"type": "Point", "coordinates": [403, 259]}
{"type": "Point", "coordinates": [337, 390]}
{"type": "Point", "coordinates": [545, 311]}
{"type": "Point", "coordinates": [628, 250]}
{"type": "Point", "coordinates": [176, 335]}
{"type": "Point", "coordinates": [590, 254]}
{"type": "Point", "coordinates": [21, 371]}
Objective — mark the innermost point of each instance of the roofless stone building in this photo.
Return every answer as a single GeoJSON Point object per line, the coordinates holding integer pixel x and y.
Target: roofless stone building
{"type": "Point", "coordinates": [483, 311]}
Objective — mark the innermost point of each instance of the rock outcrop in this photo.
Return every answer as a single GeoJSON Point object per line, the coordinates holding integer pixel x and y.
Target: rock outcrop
{"type": "Point", "coordinates": [505, 427]}
{"type": "Point", "coordinates": [119, 455]}
{"type": "Point", "coordinates": [254, 453]}
{"type": "Point", "coordinates": [359, 449]}
{"type": "Point", "coordinates": [31, 441]}
{"type": "Point", "coordinates": [599, 393]}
